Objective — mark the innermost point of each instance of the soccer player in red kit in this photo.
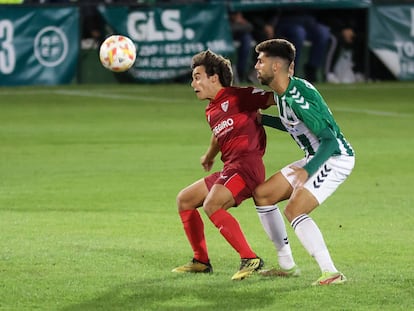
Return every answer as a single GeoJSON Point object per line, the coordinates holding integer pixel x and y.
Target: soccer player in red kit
{"type": "Point", "coordinates": [236, 133]}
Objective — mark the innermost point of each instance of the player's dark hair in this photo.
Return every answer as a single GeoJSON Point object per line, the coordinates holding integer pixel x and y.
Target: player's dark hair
{"type": "Point", "coordinates": [277, 48]}
{"type": "Point", "coordinates": [214, 64]}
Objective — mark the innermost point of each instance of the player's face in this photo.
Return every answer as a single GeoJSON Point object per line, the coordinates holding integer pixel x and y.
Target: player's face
{"type": "Point", "coordinates": [202, 84]}
{"type": "Point", "coordinates": [264, 68]}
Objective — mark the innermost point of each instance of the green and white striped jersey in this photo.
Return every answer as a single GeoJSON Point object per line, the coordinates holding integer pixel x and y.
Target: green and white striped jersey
{"type": "Point", "coordinates": [305, 114]}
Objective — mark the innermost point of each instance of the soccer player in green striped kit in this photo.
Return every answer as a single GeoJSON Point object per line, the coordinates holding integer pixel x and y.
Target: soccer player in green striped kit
{"type": "Point", "coordinates": [328, 160]}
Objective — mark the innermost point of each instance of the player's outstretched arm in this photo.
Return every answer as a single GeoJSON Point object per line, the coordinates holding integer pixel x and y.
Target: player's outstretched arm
{"type": "Point", "coordinates": [207, 160]}
{"type": "Point", "coordinates": [272, 121]}
{"type": "Point", "coordinates": [327, 147]}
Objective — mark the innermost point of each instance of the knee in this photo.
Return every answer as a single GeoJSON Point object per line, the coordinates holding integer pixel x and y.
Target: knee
{"type": "Point", "coordinates": [302, 202]}
{"type": "Point", "coordinates": [180, 201]}
{"type": "Point", "coordinates": [209, 206]}
{"type": "Point", "coordinates": [208, 210]}
{"type": "Point", "coordinates": [288, 213]}
{"type": "Point", "coordinates": [260, 197]}
{"type": "Point", "coordinates": [183, 202]}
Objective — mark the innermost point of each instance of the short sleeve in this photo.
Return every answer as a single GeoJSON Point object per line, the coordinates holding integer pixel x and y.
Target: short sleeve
{"type": "Point", "coordinates": [252, 99]}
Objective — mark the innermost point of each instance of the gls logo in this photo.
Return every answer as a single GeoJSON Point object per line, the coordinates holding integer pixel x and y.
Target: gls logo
{"type": "Point", "coordinates": [142, 26]}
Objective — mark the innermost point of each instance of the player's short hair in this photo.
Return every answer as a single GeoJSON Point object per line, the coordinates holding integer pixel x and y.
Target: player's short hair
{"type": "Point", "coordinates": [277, 48]}
{"type": "Point", "coordinates": [214, 64]}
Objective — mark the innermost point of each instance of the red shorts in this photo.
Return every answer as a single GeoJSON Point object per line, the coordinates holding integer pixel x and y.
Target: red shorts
{"type": "Point", "coordinates": [240, 178]}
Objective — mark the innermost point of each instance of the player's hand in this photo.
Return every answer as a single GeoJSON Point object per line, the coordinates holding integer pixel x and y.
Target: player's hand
{"type": "Point", "coordinates": [300, 175]}
{"type": "Point", "coordinates": [206, 163]}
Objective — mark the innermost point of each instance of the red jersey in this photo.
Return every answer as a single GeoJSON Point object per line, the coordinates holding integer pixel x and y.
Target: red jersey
{"type": "Point", "coordinates": [232, 116]}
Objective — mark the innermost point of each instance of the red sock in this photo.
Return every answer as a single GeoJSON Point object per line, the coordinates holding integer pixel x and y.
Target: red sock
{"type": "Point", "coordinates": [194, 229]}
{"type": "Point", "coordinates": [230, 229]}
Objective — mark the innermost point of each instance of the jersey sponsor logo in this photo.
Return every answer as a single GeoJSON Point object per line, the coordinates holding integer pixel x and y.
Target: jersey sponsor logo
{"type": "Point", "coordinates": [225, 106]}
{"type": "Point", "coordinates": [223, 125]}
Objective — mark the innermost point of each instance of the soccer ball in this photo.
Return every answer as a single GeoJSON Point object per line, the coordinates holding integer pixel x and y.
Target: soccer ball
{"type": "Point", "coordinates": [117, 53]}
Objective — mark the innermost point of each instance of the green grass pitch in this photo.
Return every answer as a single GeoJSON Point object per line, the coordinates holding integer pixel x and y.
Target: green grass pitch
{"type": "Point", "coordinates": [88, 220]}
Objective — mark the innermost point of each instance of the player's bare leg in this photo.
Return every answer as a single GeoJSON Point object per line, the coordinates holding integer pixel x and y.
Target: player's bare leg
{"type": "Point", "coordinates": [192, 196]}
{"type": "Point", "coordinates": [273, 191]}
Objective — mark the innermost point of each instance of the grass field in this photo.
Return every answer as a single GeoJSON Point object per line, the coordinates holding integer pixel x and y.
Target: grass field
{"type": "Point", "coordinates": [88, 179]}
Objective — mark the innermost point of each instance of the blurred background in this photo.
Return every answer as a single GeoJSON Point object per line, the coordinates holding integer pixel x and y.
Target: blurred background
{"type": "Point", "coordinates": [51, 42]}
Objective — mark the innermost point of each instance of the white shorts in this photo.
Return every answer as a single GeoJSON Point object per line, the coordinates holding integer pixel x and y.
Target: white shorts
{"type": "Point", "coordinates": [327, 178]}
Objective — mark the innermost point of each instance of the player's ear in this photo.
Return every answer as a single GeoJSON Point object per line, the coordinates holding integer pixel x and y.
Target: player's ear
{"type": "Point", "coordinates": [276, 66]}
{"type": "Point", "coordinates": [214, 78]}
{"type": "Point", "coordinates": [292, 69]}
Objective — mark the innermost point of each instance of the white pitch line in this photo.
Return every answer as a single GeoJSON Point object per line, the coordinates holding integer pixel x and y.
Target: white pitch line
{"type": "Point", "coordinates": [99, 94]}
{"type": "Point", "coordinates": [367, 86]}
{"type": "Point", "coordinates": [375, 112]}
{"type": "Point", "coordinates": [94, 94]}
{"type": "Point", "coordinates": [113, 96]}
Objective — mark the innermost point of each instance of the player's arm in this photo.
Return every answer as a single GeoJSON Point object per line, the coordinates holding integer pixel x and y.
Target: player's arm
{"type": "Point", "coordinates": [328, 146]}
{"type": "Point", "coordinates": [272, 121]}
{"type": "Point", "coordinates": [326, 136]}
{"type": "Point", "coordinates": [252, 99]}
{"type": "Point", "coordinates": [207, 160]}
{"type": "Point", "coordinates": [268, 120]}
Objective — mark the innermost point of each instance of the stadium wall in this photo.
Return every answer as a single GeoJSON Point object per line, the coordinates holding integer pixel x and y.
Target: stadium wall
{"type": "Point", "coordinates": [54, 49]}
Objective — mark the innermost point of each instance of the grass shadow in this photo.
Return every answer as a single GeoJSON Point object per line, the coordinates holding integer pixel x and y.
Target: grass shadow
{"type": "Point", "coordinates": [203, 293]}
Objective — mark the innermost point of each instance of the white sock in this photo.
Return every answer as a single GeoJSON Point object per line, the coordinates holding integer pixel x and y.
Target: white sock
{"type": "Point", "coordinates": [312, 240]}
{"type": "Point", "coordinates": [274, 225]}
